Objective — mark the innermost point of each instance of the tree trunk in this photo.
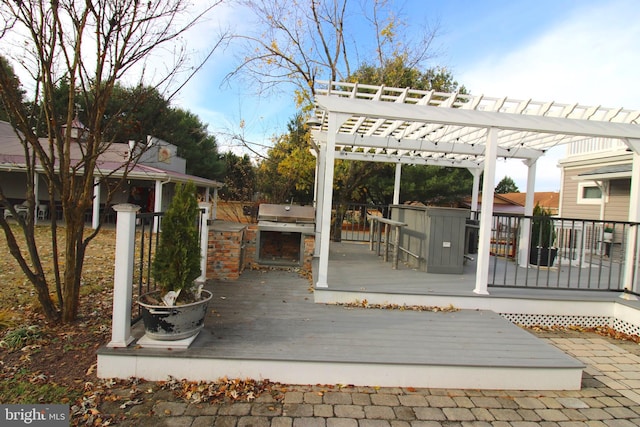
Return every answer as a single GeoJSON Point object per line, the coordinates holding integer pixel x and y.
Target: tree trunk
{"type": "Point", "coordinates": [73, 260]}
{"type": "Point", "coordinates": [42, 290]}
{"type": "Point", "coordinates": [336, 226]}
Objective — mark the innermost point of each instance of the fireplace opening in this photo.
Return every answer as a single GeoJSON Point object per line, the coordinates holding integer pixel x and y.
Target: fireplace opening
{"type": "Point", "coordinates": [280, 247]}
{"type": "Point", "coordinates": [281, 231]}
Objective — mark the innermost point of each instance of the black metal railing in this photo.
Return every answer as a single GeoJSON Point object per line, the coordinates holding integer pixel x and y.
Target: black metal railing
{"type": "Point", "coordinates": [564, 253]}
{"type": "Point", "coordinates": [146, 243]}
{"type": "Point", "coordinates": [354, 224]}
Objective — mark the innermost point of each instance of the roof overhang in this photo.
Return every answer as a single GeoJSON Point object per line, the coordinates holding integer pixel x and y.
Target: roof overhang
{"type": "Point", "coordinates": [607, 173]}
{"type": "Point", "coordinates": [115, 170]}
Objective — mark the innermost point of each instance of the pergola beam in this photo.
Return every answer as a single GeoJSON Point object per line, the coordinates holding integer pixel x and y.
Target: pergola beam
{"type": "Point", "coordinates": [406, 160]}
{"type": "Point", "coordinates": [478, 119]}
{"type": "Point", "coordinates": [424, 145]}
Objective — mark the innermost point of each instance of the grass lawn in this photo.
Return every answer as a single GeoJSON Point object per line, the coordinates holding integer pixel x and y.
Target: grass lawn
{"type": "Point", "coordinates": [44, 362]}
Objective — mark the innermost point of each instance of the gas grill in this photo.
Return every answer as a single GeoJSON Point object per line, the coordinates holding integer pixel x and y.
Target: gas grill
{"type": "Point", "coordinates": [281, 231]}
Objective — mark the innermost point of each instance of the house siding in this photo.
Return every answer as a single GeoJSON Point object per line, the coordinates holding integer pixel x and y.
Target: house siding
{"type": "Point", "coordinates": [616, 209]}
{"type": "Point", "coordinates": [569, 197]}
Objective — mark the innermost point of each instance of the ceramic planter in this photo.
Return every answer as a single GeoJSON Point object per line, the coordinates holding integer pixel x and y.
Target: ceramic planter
{"type": "Point", "coordinates": [543, 257]}
{"type": "Point", "coordinates": [174, 323]}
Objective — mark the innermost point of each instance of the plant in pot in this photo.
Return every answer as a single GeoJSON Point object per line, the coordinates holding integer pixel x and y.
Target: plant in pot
{"type": "Point", "coordinates": [543, 236]}
{"type": "Point", "coordinates": [607, 233]}
{"type": "Point", "coordinates": [177, 310]}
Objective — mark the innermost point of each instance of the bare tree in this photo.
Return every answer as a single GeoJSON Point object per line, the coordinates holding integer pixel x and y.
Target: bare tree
{"type": "Point", "coordinates": [90, 45]}
{"type": "Point", "coordinates": [299, 42]}
{"type": "Point", "coordinates": [304, 41]}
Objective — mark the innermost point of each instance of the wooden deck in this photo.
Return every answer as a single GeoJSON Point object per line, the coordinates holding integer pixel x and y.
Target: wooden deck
{"type": "Point", "coordinates": [266, 325]}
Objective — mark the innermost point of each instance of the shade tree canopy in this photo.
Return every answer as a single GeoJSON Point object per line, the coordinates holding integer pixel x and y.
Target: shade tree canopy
{"type": "Point", "coordinates": [506, 185]}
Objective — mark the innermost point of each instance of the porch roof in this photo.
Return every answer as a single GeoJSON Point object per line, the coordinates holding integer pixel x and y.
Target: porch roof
{"type": "Point", "coordinates": [12, 159]}
{"type": "Point", "coordinates": [607, 172]}
{"type": "Point", "coordinates": [450, 129]}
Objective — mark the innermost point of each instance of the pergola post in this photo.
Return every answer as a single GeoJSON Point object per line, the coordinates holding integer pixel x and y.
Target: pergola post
{"type": "Point", "coordinates": [396, 184]}
{"type": "Point", "coordinates": [525, 227]}
{"type": "Point", "coordinates": [477, 172]}
{"type": "Point", "coordinates": [335, 120]}
{"type": "Point", "coordinates": [631, 264]}
{"type": "Point", "coordinates": [321, 161]}
{"type": "Point", "coordinates": [486, 215]}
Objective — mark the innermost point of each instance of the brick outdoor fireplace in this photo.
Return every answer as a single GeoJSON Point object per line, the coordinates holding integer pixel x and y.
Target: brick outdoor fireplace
{"type": "Point", "coordinates": [282, 232]}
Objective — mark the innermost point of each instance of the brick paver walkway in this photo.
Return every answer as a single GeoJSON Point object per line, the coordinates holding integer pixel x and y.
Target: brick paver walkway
{"type": "Point", "coordinates": [610, 397]}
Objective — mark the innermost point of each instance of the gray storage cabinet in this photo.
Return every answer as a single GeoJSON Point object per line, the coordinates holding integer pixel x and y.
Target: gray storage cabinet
{"type": "Point", "coordinates": [433, 240]}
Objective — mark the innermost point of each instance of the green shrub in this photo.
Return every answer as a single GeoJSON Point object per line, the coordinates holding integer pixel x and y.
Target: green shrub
{"type": "Point", "coordinates": [543, 233]}
{"type": "Point", "coordinates": [177, 260]}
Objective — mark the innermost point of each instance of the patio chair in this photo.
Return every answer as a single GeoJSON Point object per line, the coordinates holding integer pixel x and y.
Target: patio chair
{"type": "Point", "coordinates": [22, 209]}
{"type": "Point", "coordinates": [43, 210]}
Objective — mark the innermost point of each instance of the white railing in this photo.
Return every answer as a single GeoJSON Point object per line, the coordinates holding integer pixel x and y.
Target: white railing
{"type": "Point", "coordinates": [595, 145]}
{"type": "Point", "coordinates": [123, 280]}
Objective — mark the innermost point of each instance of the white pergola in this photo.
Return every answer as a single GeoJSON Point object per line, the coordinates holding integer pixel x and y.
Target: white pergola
{"type": "Point", "coordinates": [407, 126]}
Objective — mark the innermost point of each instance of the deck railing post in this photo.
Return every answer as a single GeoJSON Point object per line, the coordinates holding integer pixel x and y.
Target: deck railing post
{"type": "Point", "coordinates": [387, 231]}
{"type": "Point", "coordinates": [379, 236]}
{"type": "Point", "coordinates": [372, 225]}
{"type": "Point", "coordinates": [123, 275]}
{"type": "Point", "coordinates": [396, 246]}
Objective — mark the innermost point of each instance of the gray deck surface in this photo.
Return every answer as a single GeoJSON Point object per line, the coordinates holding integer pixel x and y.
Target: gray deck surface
{"type": "Point", "coordinates": [271, 316]}
{"type": "Point", "coordinates": [353, 267]}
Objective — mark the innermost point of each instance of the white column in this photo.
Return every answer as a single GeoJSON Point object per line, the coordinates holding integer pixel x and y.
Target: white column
{"type": "Point", "coordinates": [214, 212]}
{"type": "Point", "coordinates": [157, 203]}
{"type": "Point", "coordinates": [630, 267]}
{"type": "Point", "coordinates": [335, 120]}
{"type": "Point", "coordinates": [604, 191]}
{"type": "Point", "coordinates": [36, 191]}
{"type": "Point", "coordinates": [315, 179]}
{"type": "Point", "coordinates": [204, 240]}
{"type": "Point", "coordinates": [525, 228]}
{"type": "Point", "coordinates": [95, 215]}
{"type": "Point", "coordinates": [396, 184]}
{"type": "Point", "coordinates": [486, 215]}
{"type": "Point", "coordinates": [477, 172]}
{"type": "Point", "coordinates": [322, 157]}
{"type": "Point", "coordinates": [123, 275]}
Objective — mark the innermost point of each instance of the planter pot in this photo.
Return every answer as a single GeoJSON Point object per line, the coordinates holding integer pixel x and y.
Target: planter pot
{"type": "Point", "coordinates": [174, 323]}
{"type": "Point", "coordinates": [543, 257]}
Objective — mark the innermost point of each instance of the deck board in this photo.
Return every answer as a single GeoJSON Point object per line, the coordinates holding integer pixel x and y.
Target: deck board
{"type": "Point", "coordinates": [267, 324]}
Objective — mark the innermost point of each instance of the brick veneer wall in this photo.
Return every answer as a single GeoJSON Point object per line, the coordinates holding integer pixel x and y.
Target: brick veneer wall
{"type": "Point", "coordinates": [232, 248]}
{"type": "Point", "coordinates": [225, 258]}
{"type": "Point", "coordinates": [250, 241]}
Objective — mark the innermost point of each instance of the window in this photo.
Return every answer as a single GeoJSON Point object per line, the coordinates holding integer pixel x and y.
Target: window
{"type": "Point", "coordinates": [589, 193]}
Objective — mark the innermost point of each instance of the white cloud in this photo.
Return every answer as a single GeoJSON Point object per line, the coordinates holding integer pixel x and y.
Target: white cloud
{"type": "Point", "coordinates": [590, 58]}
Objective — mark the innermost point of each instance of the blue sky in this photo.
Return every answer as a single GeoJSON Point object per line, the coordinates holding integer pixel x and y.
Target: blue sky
{"type": "Point", "coordinates": [581, 51]}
